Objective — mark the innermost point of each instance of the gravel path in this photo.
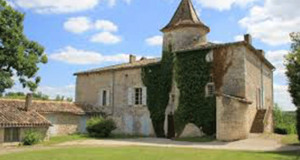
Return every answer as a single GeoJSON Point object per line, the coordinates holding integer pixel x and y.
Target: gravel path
{"type": "Point", "coordinates": [253, 144]}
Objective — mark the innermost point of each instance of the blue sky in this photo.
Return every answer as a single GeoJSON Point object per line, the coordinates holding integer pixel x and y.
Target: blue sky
{"type": "Point", "coordinates": [85, 34]}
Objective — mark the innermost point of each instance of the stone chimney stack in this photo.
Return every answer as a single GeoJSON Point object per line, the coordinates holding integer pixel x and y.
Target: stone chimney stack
{"type": "Point", "coordinates": [262, 52]}
{"type": "Point", "coordinates": [248, 38]}
{"type": "Point", "coordinates": [28, 101]}
{"type": "Point", "coordinates": [132, 58]}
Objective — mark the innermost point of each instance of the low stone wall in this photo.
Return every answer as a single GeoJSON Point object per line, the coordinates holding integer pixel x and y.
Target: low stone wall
{"type": "Point", "coordinates": [1, 135]}
{"type": "Point", "coordinates": [231, 119]}
{"type": "Point", "coordinates": [41, 131]}
{"type": "Point", "coordinates": [63, 123]}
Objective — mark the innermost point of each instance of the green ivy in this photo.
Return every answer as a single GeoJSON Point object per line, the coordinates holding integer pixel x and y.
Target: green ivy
{"type": "Point", "coordinates": [158, 80]}
{"type": "Point", "coordinates": [192, 76]}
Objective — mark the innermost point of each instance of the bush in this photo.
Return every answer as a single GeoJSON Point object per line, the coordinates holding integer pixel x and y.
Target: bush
{"type": "Point", "coordinates": [100, 127]}
{"type": "Point", "coordinates": [285, 122]}
{"type": "Point", "coordinates": [31, 138]}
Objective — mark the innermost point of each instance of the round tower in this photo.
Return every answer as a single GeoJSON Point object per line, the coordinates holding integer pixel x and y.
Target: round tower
{"type": "Point", "coordinates": [185, 30]}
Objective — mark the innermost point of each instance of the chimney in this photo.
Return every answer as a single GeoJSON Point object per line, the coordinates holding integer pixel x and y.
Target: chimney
{"type": "Point", "coordinates": [28, 101]}
{"type": "Point", "coordinates": [132, 58]}
{"type": "Point", "coordinates": [261, 52]}
{"type": "Point", "coordinates": [248, 38]}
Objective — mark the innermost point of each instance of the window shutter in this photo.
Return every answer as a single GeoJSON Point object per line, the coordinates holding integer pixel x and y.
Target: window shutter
{"type": "Point", "coordinates": [130, 96]}
{"type": "Point", "coordinates": [144, 98]}
{"type": "Point", "coordinates": [100, 97]}
{"type": "Point", "coordinates": [107, 97]}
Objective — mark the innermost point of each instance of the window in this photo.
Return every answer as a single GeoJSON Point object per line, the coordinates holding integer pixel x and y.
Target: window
{"type": "Point", "coordinates": [12, 135]}
{"type": "Point", "coordinates": [138, 96]}
{"type": "Point", "coordinates": [210, 89]}
{"type": "Point", "coordinates": [104, 100]}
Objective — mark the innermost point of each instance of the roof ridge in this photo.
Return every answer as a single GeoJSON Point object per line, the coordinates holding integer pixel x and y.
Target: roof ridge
{"type": "Point", "coordinates": [36, 101]}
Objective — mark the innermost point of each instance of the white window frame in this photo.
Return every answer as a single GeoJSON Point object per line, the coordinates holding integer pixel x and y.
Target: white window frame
{"type": "Point", "coordinates": [132, 96]}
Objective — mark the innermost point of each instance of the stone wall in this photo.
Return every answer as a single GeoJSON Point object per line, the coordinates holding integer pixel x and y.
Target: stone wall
{"type": "Point", "coordinates": [1, 135]}
{"type": "Point", "coordinates": [63, 123]}
{"type": "Point", "coordinates": [234, 82]}
{"type": "Point", "coordinates": [231, 119]}
{"type": "Point", "coordinates": [43, 132]}
{"type": "Point", "coordinates": [184, 38]}
{"type": "Point", "coordinates": [258, 77]}
{"type": "Point", "coordinates": [130, 119]}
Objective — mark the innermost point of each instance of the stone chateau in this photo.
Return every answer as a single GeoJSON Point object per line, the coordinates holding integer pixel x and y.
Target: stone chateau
{"type": "Point", "coordinates": [244, 102]}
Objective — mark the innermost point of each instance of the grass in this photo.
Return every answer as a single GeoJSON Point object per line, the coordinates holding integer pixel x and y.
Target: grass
{"type": "Point", "coordinates": [290, 139]}
{"type": "Point", "coordinates": [196, 139]}
{"type": "Point", "coordinates": [144, 153]}
{"type": "Point", "coordinates": [62, 139]}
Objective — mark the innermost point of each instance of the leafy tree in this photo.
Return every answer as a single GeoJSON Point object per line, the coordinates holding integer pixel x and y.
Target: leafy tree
{"type": "Point", "coordinates": [293, 74]}
{"type": "Point", "coordinates": [19, 56]}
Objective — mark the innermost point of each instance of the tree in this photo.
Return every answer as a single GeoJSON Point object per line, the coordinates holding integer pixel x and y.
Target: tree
{"type": "Point", "coordinates": [19, 56]}
{"type": "Point", "coordinates": [293, 74]}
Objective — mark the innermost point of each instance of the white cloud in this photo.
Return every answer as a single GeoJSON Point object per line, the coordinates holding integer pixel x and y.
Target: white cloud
{"type": "Point", "coordinates": [272, 22]}
{"type": "Point", "coordinates": [78, 25]}
{"type": "Point", "coordinates": [239, 38]}
{"type": "Point", "coordinates": [224, 4]}
{"type": "Point", "coordinates": [106, 38]}
{"type": "Point", "coordinates": [283, 98]}
{"type": "Point", "coordinates": [63, 6]}
{"type": "Point", "coordinates": [277, 59]}
{"type": "Point", "coordinates": [155, 41]}
{"type": "Point", "coordinates": [106, 25]}
{"type": "Point", "coordinates": [82, 57]}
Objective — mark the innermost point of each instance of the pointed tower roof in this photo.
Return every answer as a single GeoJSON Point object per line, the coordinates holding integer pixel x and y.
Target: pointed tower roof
{"type": "Point", "coordinates": [185, 15]}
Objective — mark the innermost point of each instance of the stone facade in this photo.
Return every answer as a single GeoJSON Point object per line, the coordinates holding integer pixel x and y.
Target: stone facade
{"type": "Point", "coordinates": [1, 135]}
{"type": "Point", "coordinates": [64, 124]}
{"type": "Point", "coordinates": [247, 85]}
{"type": "Point", "coordinates": [131, 119]}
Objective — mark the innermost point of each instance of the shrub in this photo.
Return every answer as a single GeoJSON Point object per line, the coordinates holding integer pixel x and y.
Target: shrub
{"type": "Point", "coordinates": [100, 127]}
{"type": "Point", "coordinates": [285, 122]}
{"type": "Point", "coordinates": [31, 138]}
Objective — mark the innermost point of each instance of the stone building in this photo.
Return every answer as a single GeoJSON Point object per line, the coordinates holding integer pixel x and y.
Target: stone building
{"type": "Point", "coordinates": [244, 102]}
{"type": "Point", "coordinates": [46, 117]}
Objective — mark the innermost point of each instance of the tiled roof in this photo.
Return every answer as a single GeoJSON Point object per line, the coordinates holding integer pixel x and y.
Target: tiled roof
{"type": "Point", "coordinates": [185, 15]}
{"type": "Point", "coordinates": [45, 106]}
{"type": "Point", "coordinates": [12, 116]}
{"type": "Point", "coordinates": [136, 64]}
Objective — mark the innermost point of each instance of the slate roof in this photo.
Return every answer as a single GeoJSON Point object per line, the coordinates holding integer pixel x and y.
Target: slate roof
{"type": "Point", "coordinates": [137, 64]}
{"type": "Point", "coordinates": [12, 116]}
{"type": "Point", "coordinates": [185, 15]}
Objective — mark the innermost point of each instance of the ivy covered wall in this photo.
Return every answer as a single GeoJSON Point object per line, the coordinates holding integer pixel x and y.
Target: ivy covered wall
{"type": "Point", "coordinates": [158, 80]}
{"type": "Point", "coordinates": [192, 75]}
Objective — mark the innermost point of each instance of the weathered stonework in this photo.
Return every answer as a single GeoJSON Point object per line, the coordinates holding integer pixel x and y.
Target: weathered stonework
{"type": "Point", "coordinates": [231, 119]}
{"type": "Point", "coordinates": [191, 130]}
{"type": "Point", "coordinates": [130, 119]}
{"type": "Point", "coordinates": [63, 123]}
{"type": "Point", "coordinates": [1, 135]}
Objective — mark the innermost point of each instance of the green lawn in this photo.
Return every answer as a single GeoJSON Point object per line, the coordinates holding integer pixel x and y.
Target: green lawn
{"type": "Point", "coordinates": [144, 153]}
{"type": "Point", "coordinates": [290, 139]}
{"type": "Point", "coordinates": [62, 139]}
